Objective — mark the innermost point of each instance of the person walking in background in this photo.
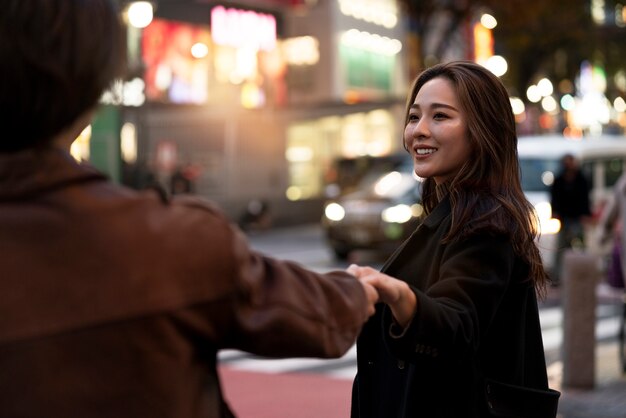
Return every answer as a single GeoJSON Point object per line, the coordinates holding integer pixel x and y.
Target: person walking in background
{"type": "Point", "coordinates": [458, 334]}
{"type": "Point", "coordinates": [611, 230]}
{"type": "Point", "coordinates": [113, 302]}
{"type": "Point", "coordinates": [569, 196]}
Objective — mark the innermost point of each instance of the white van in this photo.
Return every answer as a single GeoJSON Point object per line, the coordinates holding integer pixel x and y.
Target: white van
{"type": "Point", "coordinates": [602, 160]}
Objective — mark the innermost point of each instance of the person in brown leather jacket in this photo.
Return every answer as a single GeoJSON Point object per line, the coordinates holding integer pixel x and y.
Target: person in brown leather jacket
{"type": "Point", "coordinates": [114, 303]}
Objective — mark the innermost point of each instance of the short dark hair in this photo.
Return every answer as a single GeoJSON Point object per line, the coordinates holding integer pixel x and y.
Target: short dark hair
{"type": "Point", "coordinates": [56, 59]}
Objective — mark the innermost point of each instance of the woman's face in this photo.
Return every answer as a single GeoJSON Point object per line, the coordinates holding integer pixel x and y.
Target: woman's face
{"type": "Point", "coordinates": [436, 132]}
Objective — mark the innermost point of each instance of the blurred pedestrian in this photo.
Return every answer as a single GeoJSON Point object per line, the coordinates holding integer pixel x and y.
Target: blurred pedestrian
{"type": "Point", "coordinates": [113, 302]}
{"type": "Point", "coordinates": [612, 231]}
{"type": "Point", "coordinates": [569, 195]}
{"type": "Point", "coordinates": [459, 334]}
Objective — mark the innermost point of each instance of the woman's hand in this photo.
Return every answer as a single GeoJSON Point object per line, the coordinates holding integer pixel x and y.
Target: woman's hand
{"type": "Point", "coordinates": [372, 297]}
{"type": "Point", "coordinates": [395, 293]}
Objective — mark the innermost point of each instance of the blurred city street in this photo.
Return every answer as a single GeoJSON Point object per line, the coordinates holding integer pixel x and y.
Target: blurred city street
{"type": "Point", "coordinates": [301, 388]}
{"type": "Point", "coordinates": [327, 131]}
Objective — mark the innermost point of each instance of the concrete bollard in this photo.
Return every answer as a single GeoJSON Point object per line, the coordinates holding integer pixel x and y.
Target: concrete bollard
{"type": "Point", "coordinates": [579, 279]}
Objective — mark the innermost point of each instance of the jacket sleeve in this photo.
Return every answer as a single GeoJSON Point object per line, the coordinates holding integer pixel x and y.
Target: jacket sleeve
{"type": "Point", "coordinates": [279, 308]}
{"type": "Point", "coordinates": [458, 308]}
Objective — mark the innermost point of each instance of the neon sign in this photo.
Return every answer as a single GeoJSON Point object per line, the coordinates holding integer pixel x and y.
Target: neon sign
{"type": "Point", "coordinates": [243, 28]}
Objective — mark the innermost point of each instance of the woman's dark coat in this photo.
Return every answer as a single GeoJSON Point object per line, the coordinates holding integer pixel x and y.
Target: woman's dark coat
{"type": "Point", "coordinates": [477, 318]}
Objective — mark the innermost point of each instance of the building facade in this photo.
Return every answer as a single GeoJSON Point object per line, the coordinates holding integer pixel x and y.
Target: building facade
{"type": "Point", "coordinates": [256, 100]}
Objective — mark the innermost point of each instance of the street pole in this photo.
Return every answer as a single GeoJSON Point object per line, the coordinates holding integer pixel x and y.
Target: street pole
{"type": "Point", "coordinates": [580, 277]}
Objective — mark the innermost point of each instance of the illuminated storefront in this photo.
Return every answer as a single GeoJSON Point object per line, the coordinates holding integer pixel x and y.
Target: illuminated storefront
{"type": "Point", "coordinates": [260, 103]}
{"type": "Point", "coordinates": [363, 65]}
{"type": "Point", "coordinates": [313, 146]}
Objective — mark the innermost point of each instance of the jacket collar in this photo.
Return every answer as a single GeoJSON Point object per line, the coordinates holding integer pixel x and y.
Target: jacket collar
{"type": "Point", "coordinates": [34, 171]}
{"type": "Point", "coordinates": [439, 213]}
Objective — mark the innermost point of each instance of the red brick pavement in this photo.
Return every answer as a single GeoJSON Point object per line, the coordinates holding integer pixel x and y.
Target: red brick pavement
{"type": "Point", "coordinates": [288, 395]}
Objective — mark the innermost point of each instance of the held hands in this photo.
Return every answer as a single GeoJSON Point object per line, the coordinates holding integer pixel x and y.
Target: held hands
{"type": "Point", "coordinates": [395, 293]}
{"type": "Point", "coordinates": [372, 298]}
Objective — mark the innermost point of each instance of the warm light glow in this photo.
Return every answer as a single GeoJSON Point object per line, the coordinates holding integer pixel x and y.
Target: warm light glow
{"type": "Point", "coordinates": [382, 13]}
{"type": "Point", "coordinates": [252, 96]}
{"type": "Point", "coordinates": [387, 182]}
{"type": "Point", "coordinates": [299, 154]}
{"type": "Point", "coordinates": [483, 43]}
{"type": "Point", "coordinates": [397, 214]}
{"type": "Point", "coordinates": [303, 50]}
{"type": "Point", "coordinates": [533, 94]}
{"type": "Point", "coordinates": [417, 210]}
{"type": "Point", "coordinates": [243, 28]}
{"type": "Point", "coordinates": [545, 87]}
{"type": "Point", "coordinates": [371, 42]}
{"type": "Point", "coordinates": [549, 104]}
{"type": "Point", "coordinates": [488, 21]}
{"type": "Point", "coordinates": [597, 11]}
{"type": "Point", "coordinates": [140, 14]}
{"type": "Point", "coordinates": [550, 226]}
{"type": "Point", "coordinates": [128, 143]}
{"type": "Point", "coordinates": [593, 109]}
{"type": "Point", "coordinates": [293, 193]}
{"type": "Point", "coordinates": [334, 212]}
{"type": "Point", "coordinates": [497, 65]}
{"type": "Point", "coordinates": [547, 224]}
{"type": "Point", "coordinates": [199, 50]}
{"type": "Point", "coordinates": [80, 147]}
{"type": "Point", "coordinates": [517, 105]}
{"type": "Point", "coordinates": [619, 104]}
{"type": "Point", "coordinates": [246, 66]}
{"type": "Point", "coordinates": [620, 79]}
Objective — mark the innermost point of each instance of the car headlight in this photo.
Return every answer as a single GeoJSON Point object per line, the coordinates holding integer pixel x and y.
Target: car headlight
{"type": "Point", "coordinates": [334, 212]}
{"type": "Point", "coordinates": [397, 214]}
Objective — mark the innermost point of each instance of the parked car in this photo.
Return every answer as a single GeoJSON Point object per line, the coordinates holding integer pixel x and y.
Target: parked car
{"type": "Point", "coordinates": [602, 160]}
{"type": "Point", "coordinates": [381, 212]}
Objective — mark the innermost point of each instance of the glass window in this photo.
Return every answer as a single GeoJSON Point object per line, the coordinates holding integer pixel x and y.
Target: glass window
{"type": "Point", "coordinates": [314, 147]}
{"type": "Point", "coordinates": [538, 174]}
{"type": "Point", "coordinates": [613, 168]}
{"type": "Point", "coordinates": [302, 156]}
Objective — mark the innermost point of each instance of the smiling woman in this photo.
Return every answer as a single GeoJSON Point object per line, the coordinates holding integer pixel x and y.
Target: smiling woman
{"type": "Point", "coordinates": [435, 133]}
{"type": "Point", "coordinates": [458, 333]}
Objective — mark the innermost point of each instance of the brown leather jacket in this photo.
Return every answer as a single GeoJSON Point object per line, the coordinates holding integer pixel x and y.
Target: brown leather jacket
{"type": "Point", "coordinates": [114, 303]}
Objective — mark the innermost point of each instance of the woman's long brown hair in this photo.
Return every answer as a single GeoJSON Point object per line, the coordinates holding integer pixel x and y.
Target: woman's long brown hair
{"type": "Point", "coordinates": [486, 194]}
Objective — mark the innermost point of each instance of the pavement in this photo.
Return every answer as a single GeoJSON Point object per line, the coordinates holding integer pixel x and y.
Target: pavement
{"type": "Point", "coordinates": [264, 394]}
{"type": "Point", "coordinates": [285, 395]}
{"type": "Point", "coordinates": [309, 395]}
{"type": "Point", "coordinates": [254, 394]}
{"type": "Point", "coordinates": [607, 397]}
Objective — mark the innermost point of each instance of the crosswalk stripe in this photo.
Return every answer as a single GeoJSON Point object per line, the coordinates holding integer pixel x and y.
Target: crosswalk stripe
{"type": "Point", "coordinates": [607, 326]}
